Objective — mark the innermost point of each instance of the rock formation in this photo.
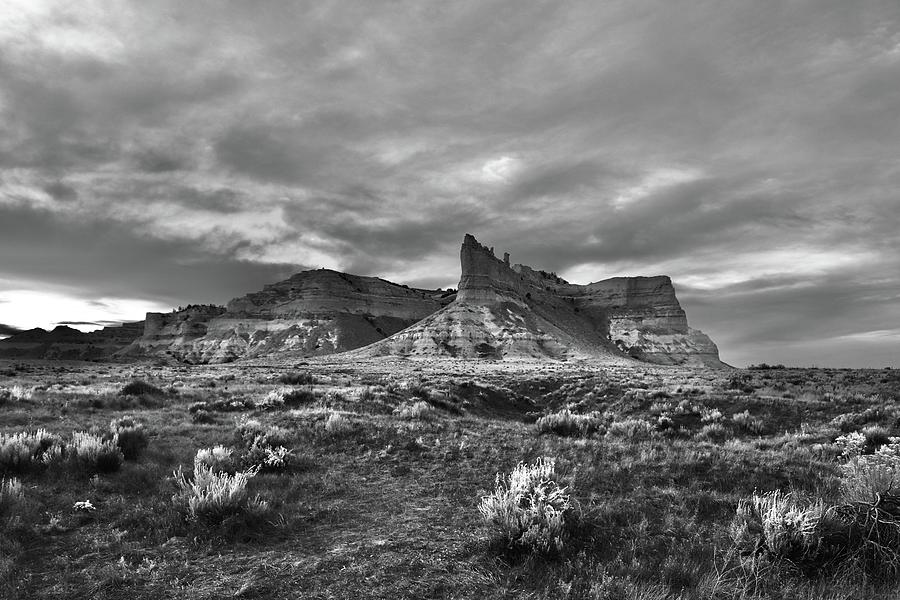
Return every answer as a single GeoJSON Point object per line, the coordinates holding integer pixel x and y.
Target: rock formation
{"type": "Point", "coordinates": [512, 311]}
{"type": "Point", "coordinates": [66, 343]}
{"type": "Point", "coordinates": [311, 313]}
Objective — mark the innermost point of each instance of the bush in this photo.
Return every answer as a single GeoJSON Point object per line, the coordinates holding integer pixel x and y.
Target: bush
{"type": "Point", "coordinates": [866, 476]}
{"type": "Point", "coordinates": [218, 458]}
{"type": "Point", "coordinates": [808, 534]}
{"type": "Point", "coordinates": [745, 422]}
{"type": "Point", "coordinates": [713, 432]}
{"type": "Point", "coordinates": [337, 424]}
{"type": "Point", "coordinates": [266, 447]}
{"type": "Point", "coordinates": [24, 452]}
{"type": "Point", "coordinates": [15, 393]}
{"type": "Point", "coordinates": [266, 458]}
{"type": "Point", "coordinates": [300, 396]}
{"type": "Point", "coordinates": [141, 388]}
{"type": "Point", "coordinates": [636, 429]}
{"type": "Point", "coordinates": [215, 499]}
{"type": "Point", "coordinates": [251, 431]}
{"type": "Point", "coordinates": [781, 526]}
{"type": "Point", "coordinates": [567, 423]}
{"type": "Point", "coordinates": [528, 509]}
{"type": "Point", "coordinates": [297, 379]}
{"type": "Point", "coordinates": [93, 453]}
{"type": "Point", "coordinates": [131, 435]}
{"type": "Point", "coordinates": [420, 410]}
{"type": "Point", "coordinates": [12, 500]}
{"type": "Point", "coordinates": [202, 417]}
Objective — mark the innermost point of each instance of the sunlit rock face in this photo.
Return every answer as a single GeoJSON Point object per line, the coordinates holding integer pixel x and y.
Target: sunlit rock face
{"type": "Point", "coordinates": [506, 311]}
{"type": "Point", "coordinates": [311, 313]}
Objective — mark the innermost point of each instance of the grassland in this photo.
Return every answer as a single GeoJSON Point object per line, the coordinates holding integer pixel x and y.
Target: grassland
{"type": "Point", "coordinates": [387, 463]}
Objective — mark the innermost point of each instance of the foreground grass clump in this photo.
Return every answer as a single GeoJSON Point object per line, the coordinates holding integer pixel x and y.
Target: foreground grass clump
{"type": "Point", "coordinates": [567, 423]}
{"type": "Point", "coordinates": [131, 436]}
{"type": "Point", "coordinates": [217, 500]}
{"type": "Point", "coordinates": [25, 452]}
{"type": "Point", "coordinates": [264, 447]}
{"type": "Point", "coordinates": [93, 453]}
{"type": "Point", "coordinates": [861, 535]}
{"type": "Point", "coordinates": [528, 509]}
{"type": "Point", "coordinates": [12, 499]}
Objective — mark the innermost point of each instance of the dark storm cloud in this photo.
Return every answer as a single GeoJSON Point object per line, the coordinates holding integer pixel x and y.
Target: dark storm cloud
{"type": "Point", "coordinates": [749, 152]}
{"type": "Point", "coordinates": [61, 191]}
{"type": "Point", "coordinates": [7, 330]}
{"type": "Point", "coordinates": [169, 271]}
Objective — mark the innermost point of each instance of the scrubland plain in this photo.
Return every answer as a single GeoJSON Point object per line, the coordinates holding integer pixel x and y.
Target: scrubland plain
{"type": "Point", "coordinates": [443, 479]}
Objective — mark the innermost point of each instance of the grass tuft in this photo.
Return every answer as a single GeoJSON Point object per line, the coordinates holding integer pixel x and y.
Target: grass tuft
{"type": "Point", "coordinates": [528, 509]}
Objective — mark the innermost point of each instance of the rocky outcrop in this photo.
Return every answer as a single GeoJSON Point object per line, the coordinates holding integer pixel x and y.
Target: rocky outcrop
{"type": "Point", "coordinates": [312, 313]}
{"type": "Point", "coordinates": [67, 343]}
{"type": "Point", "coordinates": [169, 331]}
{"type": "Point", "coordinates": [505, 311]}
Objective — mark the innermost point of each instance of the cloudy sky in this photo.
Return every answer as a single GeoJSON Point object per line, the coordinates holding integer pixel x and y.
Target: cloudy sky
{"type": "Point", "coordinates": [160, 153]}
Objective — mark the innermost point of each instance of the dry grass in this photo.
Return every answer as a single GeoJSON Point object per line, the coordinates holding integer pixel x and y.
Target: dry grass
{"type": "Point", "coordinates": [372, 506]}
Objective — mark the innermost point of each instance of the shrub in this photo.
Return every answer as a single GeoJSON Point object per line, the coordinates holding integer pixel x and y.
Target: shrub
{"type": "Point", "coordinates": [528, 509]}
{"type": "Point", "coordinates": [251, 431]}
{"type": "Point", "coordinates": [215, 499]}
{"type": "Point", "coordinates": [567, 423]}
{"type": "Point", "coordinates": [865, 477]}
{"type": "Point", "coordinates": [297, 379]}
{"type": "Point", "coordinates": [812, 536]}
{"type": "Point", "coordinates": [713, 432]}
{"type": "Point", "coordinates": [780, 525]}
{"type": "Point", "coordinates": [131, 435]}
{"type": "Point", "coordinates": [266, 458]}
{"type": "Point", "coordinates": [745, 422]}
{"type": "Point", "coordinates": [299, 396]}
{"type": "Point", "coordinates": [630, 428]}
{"type": "Point", "coordinates": [218, 458]}
{"type": "Point", "coordinates": [420, 410]}
{"type": "Point", "coordinates": [202, 417]}
{"type": "Point", "coordinates": [93, 453]}
{"type": "Point", "coordinates": [23, 452]}
{"type": "Point", "coordinates": [710, 415]}
{"type": "Point", "coordinates": [12, 500]}
{"type": "Point", "coordinates": [876, 436]}
{"type": "Point", "coordinates": [337, 424]}
{"type": "Point", "coordinates": [141, 388]}
{"type": "Point", "coordinates": [15, 393]}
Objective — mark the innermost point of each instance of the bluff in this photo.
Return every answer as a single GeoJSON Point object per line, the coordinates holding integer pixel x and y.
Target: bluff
{"type": "Point", "coordinates": [311, 313]}
{"type": "Point", "coordinates": [513, 311]}
{"type": "Point", "coordinates": [67, 343]}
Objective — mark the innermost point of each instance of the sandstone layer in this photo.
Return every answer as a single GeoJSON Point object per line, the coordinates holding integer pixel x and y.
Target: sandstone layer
{"type": "Point", "coordinates": [312, 313]}
{"type": "Point", "coordinates": [505, 311]}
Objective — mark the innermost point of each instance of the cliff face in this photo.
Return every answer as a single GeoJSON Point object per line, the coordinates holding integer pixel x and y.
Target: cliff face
{"type": "Point", "coordinates": [514, 311]}
{"type": "Point", "coordinates": [312, 313]}
{"type": "Point", "coordinates": [66, 343]}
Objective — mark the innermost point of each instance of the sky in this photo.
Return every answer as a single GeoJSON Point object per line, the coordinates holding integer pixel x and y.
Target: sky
{"type": "Point", "coordinates": [155, 154]}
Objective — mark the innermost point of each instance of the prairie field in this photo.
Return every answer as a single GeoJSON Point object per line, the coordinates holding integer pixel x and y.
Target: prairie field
{"type": "Point", "coordinates": [408, 479]}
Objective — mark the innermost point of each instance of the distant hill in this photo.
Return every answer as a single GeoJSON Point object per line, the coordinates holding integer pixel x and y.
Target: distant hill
{"type": "Point", "coordinates": [67, 343]}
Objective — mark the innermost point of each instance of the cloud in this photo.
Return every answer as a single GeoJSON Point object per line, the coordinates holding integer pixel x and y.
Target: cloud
{"type": "Point", "coordinates": [180, 154]}
{"type": "Point", "coordinates": [7, 330]}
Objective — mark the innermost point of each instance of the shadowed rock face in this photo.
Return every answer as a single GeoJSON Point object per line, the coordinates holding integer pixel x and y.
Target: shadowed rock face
{"type": "Point", "coordinates": [514, 311]}
{"type": "Point", "coordinates": [312, 313]}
